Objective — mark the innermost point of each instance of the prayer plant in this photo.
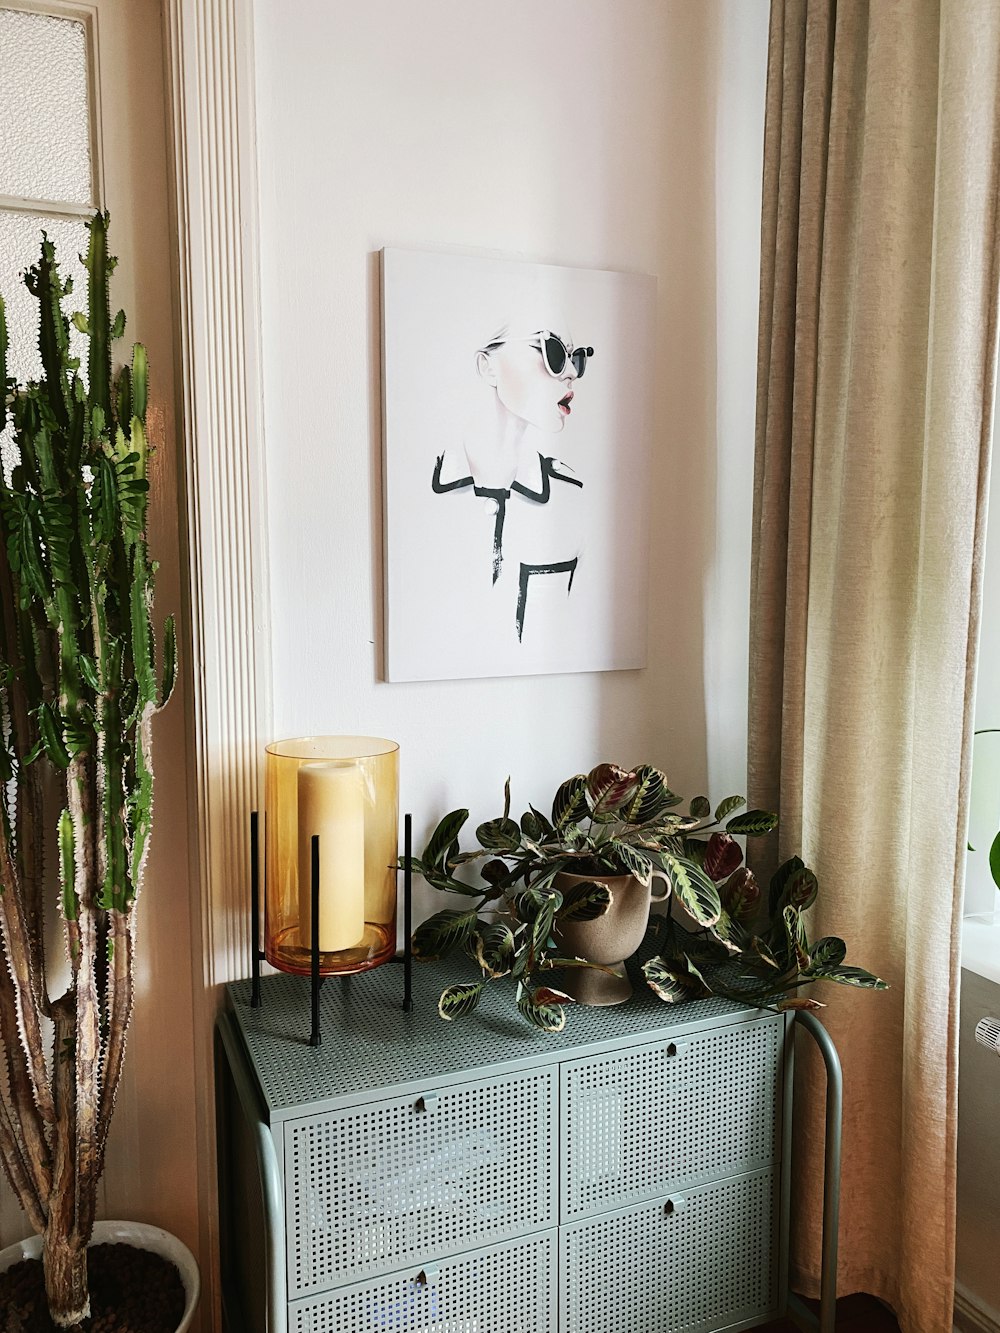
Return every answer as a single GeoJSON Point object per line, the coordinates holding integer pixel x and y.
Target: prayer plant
{"type": "Point", "coordinates": [78, 689]}
{"type": "Point", "coordinates": [613, 822]}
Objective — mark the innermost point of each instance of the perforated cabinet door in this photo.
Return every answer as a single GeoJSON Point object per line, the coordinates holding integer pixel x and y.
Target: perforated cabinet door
{"type": "Point", "coordinates": [693, 1262]}
{"type": "Point", "coordinates": [506, 1289]}
{"type": "Point", "coordinates": [381, 1187]}
{"type": "Point", "coordinates": [672, 1113]}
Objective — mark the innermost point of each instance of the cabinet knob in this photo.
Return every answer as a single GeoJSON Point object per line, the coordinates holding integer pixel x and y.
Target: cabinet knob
{"type": "Point", "coordinates": [676, 1048]}
{"type": "Point", "coordinates": [428, 1102]}
{"type": "Point", "coordinates": [676, 1204]}
{"type": "Point", "coordinates": [428, 1275]}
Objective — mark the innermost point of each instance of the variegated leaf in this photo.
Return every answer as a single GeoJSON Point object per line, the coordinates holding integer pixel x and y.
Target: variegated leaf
{"type": "Point", "coordinates": [459, 1000]}
{"type": "Point", "coordinates": [494, 949]}
{"type": "Point", "coordinates": [609, 789]}
{"type": "Point", "coordinates": [441, 933]}
{"type": "Point", "coordinates": [633, 861]}
{"type": "Point", "coordinates": [649, 798]}
{"type": "Point", "coordinates": [549, 995]}
{"type": "Point", "coordinates": [728, 806]}
{"type": "Point", "coordinates": [499, 835]}
{"type": "Point", "coordinates": [569, 805]}
{"type": "Point", "coordinates": [701, 807]}
{"type": "Point", "coordinates": [722, 856]}
{"type": "Point", "coordinates": [443, 837]}
{"type": "Point", "coordinates": [547, 1017]}
{"type": "Point", "coordinates": [851, 976]}
{"type": "Point", "coordinates": [775, 900]}
{"type": "Point", "coordinates": [795, 931]}
{"type": "Point", "coordinates": [670, 981]}
{"type": "Point", "coordinates": [827, 952]}
{"type": "Point", "coordinates": [753, 823]}
{"type": "Point", "coordinates": [585, 901]}
{"type": "Point", "coordinates": [741, 893]}
{"type": "Point", "coordinates": [532, 827]}
{"type": "Point", "coordinates": [692, 888]}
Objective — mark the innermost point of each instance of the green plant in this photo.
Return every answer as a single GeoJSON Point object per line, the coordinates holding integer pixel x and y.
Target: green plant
{"type": "Point", "coordinates": [78, 688]}
{"type": "Point", "coordinates": [611, 822]}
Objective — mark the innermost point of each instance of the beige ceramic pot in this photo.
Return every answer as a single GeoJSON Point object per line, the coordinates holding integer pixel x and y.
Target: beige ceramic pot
{"type": "Point", "coordinates": [608, 940]}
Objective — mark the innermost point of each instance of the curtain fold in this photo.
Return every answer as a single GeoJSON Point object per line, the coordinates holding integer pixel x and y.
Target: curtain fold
{"type": "Point", "coordinates": [877, 349]}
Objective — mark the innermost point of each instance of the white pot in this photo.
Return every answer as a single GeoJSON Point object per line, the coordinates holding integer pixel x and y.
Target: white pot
{"type": "Point", "coordinates": [142, 1237]}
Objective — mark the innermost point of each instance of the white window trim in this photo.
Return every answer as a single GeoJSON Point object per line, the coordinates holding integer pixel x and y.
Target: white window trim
{"type": "Point", "coordinates": [85, 14]}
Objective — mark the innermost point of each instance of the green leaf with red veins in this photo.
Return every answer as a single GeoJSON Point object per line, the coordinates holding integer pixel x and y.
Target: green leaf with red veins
{"type": "Point", "coordinates": [795, 931]}
{"type": "Point", "coordinates": [672, 982]}
{"type": "Point", "coordinates": [547, 1017]}
{"type": "Point", "coordinates": [569, 805]}
{"type": "Point", "coordinates": [650, 798]}
{"type": "Point", "coordinates": [457, 1001]}
{"type": "Point", "coordinates": [741, 893]}
{"type": "Point", "coordinates": [585, 901]}
{"type": "Point", "coordinates": [723, 855]}
{"type": "Point", "coordinates": [609, 789]}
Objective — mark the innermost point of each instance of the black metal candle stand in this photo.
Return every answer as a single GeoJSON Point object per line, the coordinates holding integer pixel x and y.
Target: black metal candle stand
{"type": "Point", "coordinates": [257, 955]}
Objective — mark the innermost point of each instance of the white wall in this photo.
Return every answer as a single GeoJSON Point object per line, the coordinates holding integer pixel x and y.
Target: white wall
{"type": "Point", "coordinates": [583, 132]}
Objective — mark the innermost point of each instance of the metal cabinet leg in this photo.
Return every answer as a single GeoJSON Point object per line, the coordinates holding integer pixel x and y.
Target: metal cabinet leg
{"type": "Point", "coordinates": [803, 1316]}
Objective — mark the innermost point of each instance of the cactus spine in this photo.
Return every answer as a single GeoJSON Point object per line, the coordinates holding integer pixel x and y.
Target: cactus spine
{"type": "Point", "coordinates": [78, 689]}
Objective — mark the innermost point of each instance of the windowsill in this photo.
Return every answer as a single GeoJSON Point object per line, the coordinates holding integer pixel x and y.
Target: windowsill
{"type": "Point", "coordinates": [981, 945]}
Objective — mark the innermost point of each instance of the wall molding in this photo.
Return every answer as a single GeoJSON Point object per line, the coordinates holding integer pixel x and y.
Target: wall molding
{"type": "Point", "coordinates": [970, 1316]}
{"type": "Point", "coordinates": [210, 72]}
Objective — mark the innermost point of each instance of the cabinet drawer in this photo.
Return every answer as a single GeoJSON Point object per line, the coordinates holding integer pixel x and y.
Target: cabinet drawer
{"type": "Point", "coordinates": [675, 1113]}
{"type": "Point", "coordinates": [382, 1187]}
{"type": "Point", "coordinates": [694, 1261]}
{"type": "Point", "coordinates": [505, 1289]}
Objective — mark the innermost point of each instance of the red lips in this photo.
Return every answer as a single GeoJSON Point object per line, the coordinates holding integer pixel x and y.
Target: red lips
{"type": "Point", "coordinates": [564, 403]}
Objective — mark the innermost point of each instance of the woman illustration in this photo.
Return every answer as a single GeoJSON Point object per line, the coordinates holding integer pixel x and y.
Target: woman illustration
{"type": "Point", "coordinates": [530, 374]}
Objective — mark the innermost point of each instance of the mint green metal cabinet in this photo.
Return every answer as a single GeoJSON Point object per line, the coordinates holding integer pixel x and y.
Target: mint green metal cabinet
{"type": "Point", "coordinates": [623, 1176]}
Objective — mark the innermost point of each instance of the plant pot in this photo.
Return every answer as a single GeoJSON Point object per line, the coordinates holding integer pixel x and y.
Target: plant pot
{"type": "Point", "coordinates": [608, 940]}
{"type": "Point", "coordinates": [142, 1237]}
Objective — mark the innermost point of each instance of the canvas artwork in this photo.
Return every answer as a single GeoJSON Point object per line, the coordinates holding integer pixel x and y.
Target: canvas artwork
{"type": "Point", "coordinates": [517, 437]}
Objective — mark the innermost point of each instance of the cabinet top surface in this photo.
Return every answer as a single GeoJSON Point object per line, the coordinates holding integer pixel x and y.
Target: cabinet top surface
{"type": "Point", "coordinates": [371, 1048]}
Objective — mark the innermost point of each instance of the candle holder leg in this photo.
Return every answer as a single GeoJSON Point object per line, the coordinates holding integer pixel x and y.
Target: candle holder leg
{"type": "Point", "coordinates": [255, 950]}
{"type": "Point", "coordinates": [315, 1036]}
{"type": "Point", "coordinates": [407, 913]}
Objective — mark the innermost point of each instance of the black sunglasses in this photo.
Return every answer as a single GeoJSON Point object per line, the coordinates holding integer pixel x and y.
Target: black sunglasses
{"type": "Point", "coordinates": [555, 354]}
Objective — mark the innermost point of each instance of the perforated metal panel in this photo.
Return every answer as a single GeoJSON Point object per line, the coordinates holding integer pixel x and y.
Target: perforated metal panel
{"type": "Point", "coordinates": [701, 1260]}
{"type": "Point", "coordinates": [675, 1113]}
{"type": "Point", "coordinates": [507, 1289]}
{"type": "Point", "coordinates": [370, 1047]}
{"type": "Point", "coordinates": [388, 1185]}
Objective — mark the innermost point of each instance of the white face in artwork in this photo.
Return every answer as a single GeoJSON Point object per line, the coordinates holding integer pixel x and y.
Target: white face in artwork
{"type": "Point", "coordinates": [524, 386]}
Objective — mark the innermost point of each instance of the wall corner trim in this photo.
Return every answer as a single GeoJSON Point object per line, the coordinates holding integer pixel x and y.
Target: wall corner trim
{"type": "Point", "coordinates": [211, 94]}
{"type": "Point", "coordinates": [971, 1316]}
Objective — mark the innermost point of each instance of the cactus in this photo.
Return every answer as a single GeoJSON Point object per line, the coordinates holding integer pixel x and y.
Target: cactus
{"type": "Point", "coordinates": [78, 689]}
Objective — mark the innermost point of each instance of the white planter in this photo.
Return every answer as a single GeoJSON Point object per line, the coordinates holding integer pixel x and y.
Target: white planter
{"type": "Point", "coordinates": [142, 1237]}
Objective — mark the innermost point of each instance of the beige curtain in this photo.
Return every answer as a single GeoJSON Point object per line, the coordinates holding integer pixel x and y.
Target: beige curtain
{"type": "Point", "coordinates": [875, 392]}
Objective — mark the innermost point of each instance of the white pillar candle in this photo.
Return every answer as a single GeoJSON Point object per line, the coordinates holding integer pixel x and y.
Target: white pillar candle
{"type": "Point", "coordinates": [331, 804]}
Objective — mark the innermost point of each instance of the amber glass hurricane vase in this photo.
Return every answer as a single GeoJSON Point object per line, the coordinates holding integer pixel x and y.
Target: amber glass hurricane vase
{"type": "Point", "coordinates": [345, 789]}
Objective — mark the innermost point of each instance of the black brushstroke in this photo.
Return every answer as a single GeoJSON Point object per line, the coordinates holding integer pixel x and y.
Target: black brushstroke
{"type": "Point", "coordinates": [440, 487]}
{"type": "Point", "coordinates": [559, 567]}
{"type": "Point", "coordinates": [501, 496]}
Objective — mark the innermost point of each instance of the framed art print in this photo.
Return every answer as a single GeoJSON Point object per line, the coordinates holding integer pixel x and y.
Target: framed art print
{"type": "Point", "coordinates": [517, 426]}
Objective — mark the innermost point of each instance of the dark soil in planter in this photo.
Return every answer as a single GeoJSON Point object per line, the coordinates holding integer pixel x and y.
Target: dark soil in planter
{"type": "Point", "coordinates": [131, 1291]}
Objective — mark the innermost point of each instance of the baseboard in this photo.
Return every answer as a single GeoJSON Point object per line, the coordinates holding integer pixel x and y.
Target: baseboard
{"type": "Point", "coordinates": [973, 1317]}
